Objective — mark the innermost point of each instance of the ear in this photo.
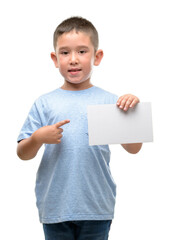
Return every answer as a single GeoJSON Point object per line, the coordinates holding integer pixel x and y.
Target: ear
{"type": "Point", "coordinates": [98, 57]}
{"type": "Point", "coordinates": [54, 58]}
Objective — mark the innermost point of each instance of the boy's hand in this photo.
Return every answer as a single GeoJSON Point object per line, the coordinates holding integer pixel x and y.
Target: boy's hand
{"type": "Point", "coordinates": [50, 134]}
{"type": "Point", "coordinates": [127, 101]}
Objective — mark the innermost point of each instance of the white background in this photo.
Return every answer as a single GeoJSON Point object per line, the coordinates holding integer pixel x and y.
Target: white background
{"type": "Point", "coordinates": [135, 37]}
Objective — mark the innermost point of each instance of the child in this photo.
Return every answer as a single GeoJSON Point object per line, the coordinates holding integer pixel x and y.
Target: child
{"type": "Point", "coordinates": [74, 187]}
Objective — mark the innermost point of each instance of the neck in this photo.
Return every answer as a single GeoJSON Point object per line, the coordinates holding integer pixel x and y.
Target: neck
{"type": "Point", "coordinates": [76, 87]}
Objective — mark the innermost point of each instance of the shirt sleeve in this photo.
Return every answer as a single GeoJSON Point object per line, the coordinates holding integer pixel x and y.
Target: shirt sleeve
{"type": "Point", "coordinates": [32, 122]}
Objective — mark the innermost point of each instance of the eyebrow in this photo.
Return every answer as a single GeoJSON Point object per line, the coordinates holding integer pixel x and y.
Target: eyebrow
{"type": "Point", "coordinates": [81, 46]}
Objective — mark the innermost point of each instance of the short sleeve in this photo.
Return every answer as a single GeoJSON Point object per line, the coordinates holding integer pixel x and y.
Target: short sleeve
{"type": "Point", "coordinates": [32, 123]}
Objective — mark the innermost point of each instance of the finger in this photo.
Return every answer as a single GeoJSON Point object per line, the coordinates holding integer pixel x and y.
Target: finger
{"type": "Point", "coordinates": [134, 102]}
{"type": "Point", "coordinates": [123, 102]}
{"type": "Point", "coordinates": [60, 130]}
{"type": "Point", "coordinates": [59, 124]}
{"type": "Point", "coordinates": [59, 136]}
{"type": "Point", "coordinates": [119, 100]}
{"type": "Point", "coordinates": [128, 104]}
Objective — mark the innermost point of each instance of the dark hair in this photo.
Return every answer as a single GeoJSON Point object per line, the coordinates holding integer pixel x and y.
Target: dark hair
{"type": "Point", "coordinates": [78, 24]}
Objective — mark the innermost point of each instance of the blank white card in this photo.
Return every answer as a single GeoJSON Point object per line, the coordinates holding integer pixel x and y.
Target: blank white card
{"type": "Point", "coordinates": [107, 124]}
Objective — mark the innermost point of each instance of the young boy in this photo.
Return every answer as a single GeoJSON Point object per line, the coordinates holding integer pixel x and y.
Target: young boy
{"type": "Point", "coordinates": [74, 188]}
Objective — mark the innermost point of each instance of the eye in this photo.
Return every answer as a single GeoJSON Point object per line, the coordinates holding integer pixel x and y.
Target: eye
{"type": "Point", "coordinates": [82, 51]}
{"type": "Point", "coordinates": [64, 52]}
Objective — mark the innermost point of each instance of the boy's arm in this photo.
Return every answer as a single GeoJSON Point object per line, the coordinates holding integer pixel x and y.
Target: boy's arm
{"type": "Point", "coordinates": [28, 148]}
{"type": "Point", "coordinates": [125, 102]}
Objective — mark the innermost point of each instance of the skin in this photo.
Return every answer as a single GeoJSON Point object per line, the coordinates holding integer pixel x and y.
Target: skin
{"type": "Point", "coordinates": [75, 50]}
{"type": "Point", "coordinates": [75, 57]}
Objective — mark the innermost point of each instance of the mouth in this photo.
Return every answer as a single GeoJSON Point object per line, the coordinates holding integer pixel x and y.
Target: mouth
{"type": "Point", "coordinates": [74, 70]}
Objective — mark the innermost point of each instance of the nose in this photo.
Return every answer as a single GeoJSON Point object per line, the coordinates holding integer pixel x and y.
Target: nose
{"type": "Point", "coordinates": [73, 58]}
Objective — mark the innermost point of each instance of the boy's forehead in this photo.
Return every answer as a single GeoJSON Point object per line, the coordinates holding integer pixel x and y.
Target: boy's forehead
{"type": "Point", "coordinates": [74, 37]}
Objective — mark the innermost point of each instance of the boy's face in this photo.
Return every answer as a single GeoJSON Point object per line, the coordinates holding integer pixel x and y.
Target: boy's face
{"type": "Point", "coordinates": [75, 57]}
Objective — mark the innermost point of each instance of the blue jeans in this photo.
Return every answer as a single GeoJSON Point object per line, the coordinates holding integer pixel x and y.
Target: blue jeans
{"type": "Point", "coordinates": [78, 230]}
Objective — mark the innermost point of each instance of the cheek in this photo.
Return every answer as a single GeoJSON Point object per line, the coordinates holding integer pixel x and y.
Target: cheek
{"type": "Point", "coordinates": [91, 66]}
{"type": "Point", "coordinates": [62, 65]}
{"type": "Point", "coordinates": [89, 63]}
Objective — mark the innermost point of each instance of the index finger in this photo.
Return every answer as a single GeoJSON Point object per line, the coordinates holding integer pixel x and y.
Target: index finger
{"type": "Point", "coordinates": [59, 124]}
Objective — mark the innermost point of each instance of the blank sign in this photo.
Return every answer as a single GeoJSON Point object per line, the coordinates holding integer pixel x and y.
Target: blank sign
{"type": "Point", "coordinates": [107, 124]}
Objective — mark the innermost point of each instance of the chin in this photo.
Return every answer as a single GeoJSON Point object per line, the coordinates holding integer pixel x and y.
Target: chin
{"type": "Point", "coordinates": [76, 82]}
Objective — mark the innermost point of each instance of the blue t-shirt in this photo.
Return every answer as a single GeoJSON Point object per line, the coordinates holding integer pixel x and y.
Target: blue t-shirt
{"type": "Point", "coordinates": [73, 181]}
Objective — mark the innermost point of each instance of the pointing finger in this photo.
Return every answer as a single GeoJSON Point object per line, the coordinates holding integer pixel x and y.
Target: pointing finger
{"type": "Point", "coordinates": [59, 124]}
